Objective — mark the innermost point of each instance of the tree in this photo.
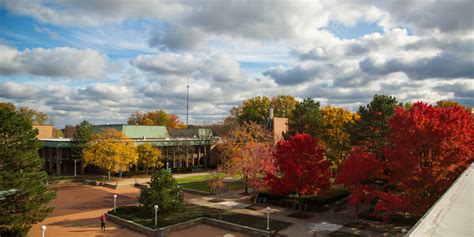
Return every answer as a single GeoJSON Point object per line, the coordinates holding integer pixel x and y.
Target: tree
{"type": "Point", "coordinates": [158, 117]}
{"type": "Point", "coordinates": [216, 183]}
{"type": "Point", "coordinates": [359, 173]}
{"type": "Point", "coordinates": [300, 167]}
{"type": "Point", "coordinates": [255, 109]}
{"type": "Point", "coordinates": [306, 118]}
{"type": "Point", "coordinates": [428, 148]}
{"type": "Point", "coordinates": [254, 162]}
{"type": "Point", "coordinates": [35, 117]}
{"type": "Point", "coordinates": [149, 157]}
{"type": "Point", "coordinates": [283, 105]}
{"type": "Point", "coordinates": [80, 139]}
{"type": "Point", "coordinates": [7, 105]}
{"type": "Point", "coordinates": [163, 191]}
{"type": "Point", "coordinates": [370, 130]}
{"type": "Point", "coordinates": [22, 179]}
{"type": "Point", "coordinates": [110, 150]}
{"type": "Point", "coordinates": [334, 134]}
{"type": "Point", "coordinates": [451, 103]}
{"type": "Point", "coordinates": [232, 146]}
{"type": "Point", "coordinates": [57, 133]}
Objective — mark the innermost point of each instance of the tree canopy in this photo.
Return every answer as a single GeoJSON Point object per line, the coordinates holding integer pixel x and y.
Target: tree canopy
{"type": "Point", "coordinates": [158, 117]}
{"type": "Point", "coordinates": [306, 118]}
{"type": "Point", "coordinates": [82, 136]}
{"type": "Point", "coordinates": [257, 109]}
{"type": "Point", "coordinates": [370, 130]}
{"type": "Point", "coordinates": [334, 134]}
{"type": "Point", "coordinates": [300, 167]}
{"type": "Point", "coordinates": [149, 157]}
{"type": "Point", "coordinates": [111, 150]}
{"type": "Point", "coordinates": [21, 176]}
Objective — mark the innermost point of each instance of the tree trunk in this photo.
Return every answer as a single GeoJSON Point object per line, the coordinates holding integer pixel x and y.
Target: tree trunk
{"type": "Point", "coordinates": [108, 173]}
{"type": "Point", "coordinates": [246, 185]}
{"type": "Point", "coordinates": [357, 212]}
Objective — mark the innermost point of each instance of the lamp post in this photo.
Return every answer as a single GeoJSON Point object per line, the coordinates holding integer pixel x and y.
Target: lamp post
{"type": "Point", "coordinates": [43, 230]}
{"type": "Point", "coordinates": [75, 173]}
{"type": "Point", "coordinates": [156, 215]}
{"type": "Point", "coordinates": [268, 217]}
{"type": "Point", "coordinates": [115, 201]}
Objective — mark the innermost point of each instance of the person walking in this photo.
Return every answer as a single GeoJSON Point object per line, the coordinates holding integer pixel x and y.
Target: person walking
{"type": "Point", "coordinates": [103, 219]}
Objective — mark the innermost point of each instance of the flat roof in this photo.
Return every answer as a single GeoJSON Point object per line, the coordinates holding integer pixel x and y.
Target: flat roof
{"type": "Point", "coordinates": [452, 214]}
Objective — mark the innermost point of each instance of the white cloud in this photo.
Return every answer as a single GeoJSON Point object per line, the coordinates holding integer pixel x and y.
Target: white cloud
{"type": "Point", "coordinates": [56, 62]}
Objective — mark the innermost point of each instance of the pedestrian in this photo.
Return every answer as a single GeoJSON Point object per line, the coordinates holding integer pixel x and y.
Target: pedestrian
{"type": "Point", "coordinates": [103, 219]}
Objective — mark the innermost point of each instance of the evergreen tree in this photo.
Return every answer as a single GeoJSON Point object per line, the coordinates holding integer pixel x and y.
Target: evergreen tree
{"type": "Point", "coordinates": [306, 118]}
{"type": "Point", "coordinates": [82, 136]}
{"type": "Point", "coordinates": [370, 130]}
{"type": "Point", "coordinates": [163, 191]}
{"type": "Point", "coordinates": [24, 194]}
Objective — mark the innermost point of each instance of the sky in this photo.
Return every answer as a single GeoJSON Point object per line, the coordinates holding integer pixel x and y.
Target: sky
{"type": "Point", "coordinates": [100, 60]}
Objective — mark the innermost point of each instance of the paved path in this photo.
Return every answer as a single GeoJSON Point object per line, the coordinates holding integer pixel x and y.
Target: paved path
{"type": "Point", "coordinates": [123, 182]}
{"type": "Point", "coordinates": [321, 224]}
{"type": "Point", "coordinates": [78, 208]}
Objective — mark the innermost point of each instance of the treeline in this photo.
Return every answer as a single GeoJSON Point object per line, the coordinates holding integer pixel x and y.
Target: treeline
{"type": "Point", "coordinates": [402, 157]}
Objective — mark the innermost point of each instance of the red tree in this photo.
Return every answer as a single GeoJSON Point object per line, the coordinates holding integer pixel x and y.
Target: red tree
{"type": "Point", "coordinates": [428, 147]}
{"type": "Point", "coordinates": [360, 173]}
{"type": "Point", "coordinates": [300, 167]}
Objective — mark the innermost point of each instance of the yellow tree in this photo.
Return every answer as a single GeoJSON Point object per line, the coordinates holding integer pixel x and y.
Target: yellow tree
{"type": "Point", "coordinates": [149, 157]}
{"type": "Point", "coordinates": [111, 150]}
{"type": "Point", "coordinates": [334, 135]}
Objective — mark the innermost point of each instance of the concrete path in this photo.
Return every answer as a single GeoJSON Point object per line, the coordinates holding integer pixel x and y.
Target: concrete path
{"type": "Point", "coordinates": [321, 224]}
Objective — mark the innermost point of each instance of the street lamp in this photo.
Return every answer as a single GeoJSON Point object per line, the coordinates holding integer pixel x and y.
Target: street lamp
{"type": "Point", "coordinates": [43, 230]}
{"type": "Point", "coordinates": [268, 217]}
{"type": "Point", "coordinates": [156, 215]}
{"type": "Point", "coordinates": [75, 161]}
{"type": "Point", "coordinates": [115, 201]}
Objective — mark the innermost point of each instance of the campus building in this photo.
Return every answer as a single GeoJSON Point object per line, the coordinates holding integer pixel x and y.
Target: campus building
{"type": "Point", "coordinates": [183, 149]}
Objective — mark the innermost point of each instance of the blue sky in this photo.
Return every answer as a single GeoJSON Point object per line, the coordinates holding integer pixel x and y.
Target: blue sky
{"type": "Point", "coordinates": [102, 60]}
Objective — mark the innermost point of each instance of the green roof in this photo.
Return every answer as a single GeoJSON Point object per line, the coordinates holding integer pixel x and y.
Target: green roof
{"type": "Point", "coordinates": [136, 131]}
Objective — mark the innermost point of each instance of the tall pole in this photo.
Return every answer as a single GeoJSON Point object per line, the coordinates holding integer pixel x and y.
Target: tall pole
{"type": "Point", "coordinates": [187, 104]}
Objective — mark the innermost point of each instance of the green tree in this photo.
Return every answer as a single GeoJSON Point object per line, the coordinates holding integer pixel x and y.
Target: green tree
{"type": "Point", "coordinates": [35, 117]}
{"type": "Point", "coordinates": [283, 105]}
{"type": "Point", "coordinates": [306, 118]}
{"type": "Point", "coordinates": [149, 157]}
{"type": "Point", "coordinates": [255, 109]}
{"type": "Point", "coordinates": [370, 130]}
{"type": "Point", "coordinates": [111, 150]}
{"type": "Point", "coordinates": [163, 191]}
{"type": "Point", "coordinates": [82, 136]}
{"type": "Point", "coordinates": [24, 197]}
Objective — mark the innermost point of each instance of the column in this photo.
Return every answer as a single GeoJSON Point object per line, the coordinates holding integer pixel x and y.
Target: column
{"type": "Point", "coordinates": [50, 160]}
{"type": "Point", "coordinates": [58, 160]}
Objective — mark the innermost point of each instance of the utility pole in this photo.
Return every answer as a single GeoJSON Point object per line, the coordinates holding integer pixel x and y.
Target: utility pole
{"type": "Point", "coordinates": [187, 104]}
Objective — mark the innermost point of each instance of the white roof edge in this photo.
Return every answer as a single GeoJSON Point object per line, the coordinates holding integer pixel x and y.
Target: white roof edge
{"type": "Point", "coordinates": [452, 214]}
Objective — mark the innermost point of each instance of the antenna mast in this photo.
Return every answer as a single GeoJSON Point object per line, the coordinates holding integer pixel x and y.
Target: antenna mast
{"type": "Point", "coordinates": [187, 104]}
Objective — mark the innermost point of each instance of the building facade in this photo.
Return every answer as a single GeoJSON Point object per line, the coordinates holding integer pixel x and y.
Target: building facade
{"type": "Point", "coordinates": [185, 149]}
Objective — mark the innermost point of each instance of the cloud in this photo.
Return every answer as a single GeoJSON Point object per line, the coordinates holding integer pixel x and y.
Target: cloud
{"type": "Point", "coordinates": [296, 75]}
{"type": "Point", "coordinates": [55, 62]}
{"type": "Point", "coordinates": [445, 65]}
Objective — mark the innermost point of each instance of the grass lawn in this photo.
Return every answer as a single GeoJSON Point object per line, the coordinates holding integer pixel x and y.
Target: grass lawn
{"type": "Point", "coordinates": [191, 211]}
{"type": "Point", "coordinates": [200, 183]}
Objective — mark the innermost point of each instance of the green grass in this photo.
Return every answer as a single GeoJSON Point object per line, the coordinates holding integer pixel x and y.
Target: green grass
{"type": "Point", "coordinates": [199, 183]}
{"type": "Point", "coordinates": [191, 211]}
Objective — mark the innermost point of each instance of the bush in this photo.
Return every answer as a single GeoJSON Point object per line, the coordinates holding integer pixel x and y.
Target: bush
{"type": "Point", "coordinates": [163, 191]}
